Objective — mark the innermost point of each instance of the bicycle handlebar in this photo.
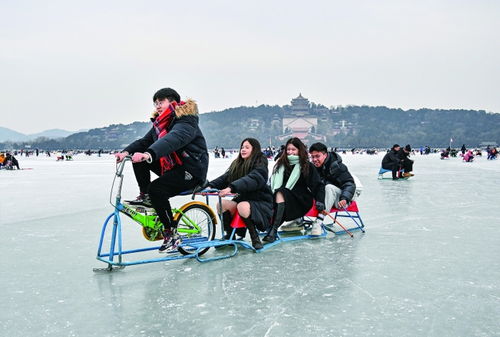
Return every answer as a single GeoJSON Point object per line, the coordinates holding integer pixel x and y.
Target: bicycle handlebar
{"type": "Point", "coordinates": [121, 165]}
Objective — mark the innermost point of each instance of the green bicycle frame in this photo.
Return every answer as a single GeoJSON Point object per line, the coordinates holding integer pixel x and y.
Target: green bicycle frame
{"type": "Point", "coordinates": [150, 219]}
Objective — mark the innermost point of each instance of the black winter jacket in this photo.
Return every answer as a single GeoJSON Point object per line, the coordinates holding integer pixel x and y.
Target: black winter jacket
{"type": "Point", "coordinates": [253, 186]}
{"type": "Point", "coordinates": [390, 159]}
{"type": "Point", "coordinates": [184, 137]}
{"type": "Point", "coordinates": [402, 155]}
{"type": "Point", "coordinates": [334, 172]}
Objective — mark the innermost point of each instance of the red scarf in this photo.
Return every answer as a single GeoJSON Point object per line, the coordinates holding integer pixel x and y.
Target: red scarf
{"type": "Point", "coordinates": [161, 124]}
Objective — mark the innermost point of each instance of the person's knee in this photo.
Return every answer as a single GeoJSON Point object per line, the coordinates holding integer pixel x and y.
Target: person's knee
{"type": "Point", "coordinates": [227, 205]}
{"type": "Point", "coordinates": [280, 198]}
{"type": "Point", "coordinates": [243, 209]}
{"type": "Point", "coordinates": [329, 188]}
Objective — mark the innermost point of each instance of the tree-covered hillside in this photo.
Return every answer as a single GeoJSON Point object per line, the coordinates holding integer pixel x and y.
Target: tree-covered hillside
{"type": "Point", "coordinates": [379, 126]}
{"type": "Point", "coordinates": [362, 126]}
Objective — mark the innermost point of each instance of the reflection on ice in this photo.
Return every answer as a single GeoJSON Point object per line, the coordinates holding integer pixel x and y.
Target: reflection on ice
{"type": "Point", "coordinates": [427, 266]}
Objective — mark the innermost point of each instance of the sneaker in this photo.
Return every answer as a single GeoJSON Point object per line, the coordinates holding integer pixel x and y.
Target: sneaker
{"type": "Point", "coordinates": [142, 200]}
{"type": "Point", "coordinates": [316, 229]}
{"type": "Point", "coordinates": [170, 242]}
{"type": "Point", "coordinates": [293, 226]}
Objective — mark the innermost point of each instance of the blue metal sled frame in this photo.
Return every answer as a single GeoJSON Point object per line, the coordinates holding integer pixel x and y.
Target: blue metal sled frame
{"type": "Point", "coordinates": [114, 257]}
{"type": "Point", "coordinates": [198, 246]}
{"type": "Point", "coordinates": [116, 247]}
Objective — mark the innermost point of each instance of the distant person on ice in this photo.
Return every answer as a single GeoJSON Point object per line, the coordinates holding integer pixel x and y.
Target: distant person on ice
{"type": "Point", "coordinates": [492, 153]}
{"type": "Point", "coordinates": [405, 162]}
{"type": "Point", "coordinates": [176, 151]}
{"type": "Point", "coordinates": [11, 160]}
{"type": "Point", "coordinates": [247, 176]}
{"type": "Point", "coordinates": [463, 149]}
{"type": "Point", "coordinates": [445, 153]}
{"type": "Point", "coordinates": [469, 156]}
{"type": "Point", "coordinates": [391, 161]}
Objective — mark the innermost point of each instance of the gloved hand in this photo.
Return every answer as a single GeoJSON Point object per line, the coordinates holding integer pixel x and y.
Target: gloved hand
{"type": "Point", "coordinates": [320, 206]}
{"type": "Point", "coordinates": [140, 157]}
{"type": "Point", "coordinates": [120, 155]}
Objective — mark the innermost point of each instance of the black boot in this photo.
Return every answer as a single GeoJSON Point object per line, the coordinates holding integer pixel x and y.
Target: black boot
{"type": "Point", "coordinates": [226, 220]}
{"type": "Point", "coordinates": [278, 220]}
{"type": "Point", "coordinates": [241, 233]}
{"type": "Point", "coordinates": [253, 233]}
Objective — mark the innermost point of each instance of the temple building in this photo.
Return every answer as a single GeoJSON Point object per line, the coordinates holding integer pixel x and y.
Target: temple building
{"type": "Point", "coordinates": [299, 121]}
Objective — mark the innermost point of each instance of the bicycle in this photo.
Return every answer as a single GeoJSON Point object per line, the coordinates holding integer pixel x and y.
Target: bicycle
{"type": "Point", "coordinates": [195, 220]}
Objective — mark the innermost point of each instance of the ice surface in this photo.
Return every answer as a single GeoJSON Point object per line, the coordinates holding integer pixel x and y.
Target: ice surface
{"type": "Point", "coordinates": [428, 264]}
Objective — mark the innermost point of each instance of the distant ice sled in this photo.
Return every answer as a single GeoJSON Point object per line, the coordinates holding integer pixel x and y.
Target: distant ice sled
{"type": "Point", "coordinates": [387, 174]}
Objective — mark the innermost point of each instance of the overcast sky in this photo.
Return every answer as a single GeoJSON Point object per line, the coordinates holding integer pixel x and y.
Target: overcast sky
{"type": "Point", "coordinates": [86, 64]}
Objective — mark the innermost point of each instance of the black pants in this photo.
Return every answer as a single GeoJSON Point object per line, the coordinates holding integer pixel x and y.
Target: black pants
{"type": "Point", "coordinates": [407, 165]}
{"type": "Point", "coordinates": [160, 190]}
{"type": "Point", "coordinates": [393, 167]}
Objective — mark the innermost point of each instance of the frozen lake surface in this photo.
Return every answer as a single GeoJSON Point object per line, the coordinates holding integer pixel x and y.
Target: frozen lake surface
{"type": "Point", "coordinates": [428, 265]}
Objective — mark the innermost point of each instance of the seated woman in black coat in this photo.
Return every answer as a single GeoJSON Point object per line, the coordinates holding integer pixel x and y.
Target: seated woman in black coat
{"type": "Point", "coordinates": [247, 176]}
{"type": "Point", "coordinates": [295, 184]}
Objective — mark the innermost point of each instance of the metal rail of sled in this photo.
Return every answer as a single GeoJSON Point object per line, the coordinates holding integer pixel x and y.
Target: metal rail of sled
{"type": "Point", "coordinates": [237, 222]}
{"type": "Point", "coordinates": [114, 258]}
{"type": "Point", "coordinates": [195, 246]}
{"type": "Point", "coordinates": [236, 244]}
{"type": "Point", "coordinates": [116, 249]}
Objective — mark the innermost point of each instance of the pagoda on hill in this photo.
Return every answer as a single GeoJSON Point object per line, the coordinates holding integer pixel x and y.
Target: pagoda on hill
{"type": "Point", "coordinates": [300, 122]}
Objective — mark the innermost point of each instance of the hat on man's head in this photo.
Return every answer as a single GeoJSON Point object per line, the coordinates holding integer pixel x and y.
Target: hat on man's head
{"type": "Point", "coordinates": [166, 92]}
{"type": "Point", "coordinates": [408, 147]}
{"type": "Point", "coordinates": [395, 146]}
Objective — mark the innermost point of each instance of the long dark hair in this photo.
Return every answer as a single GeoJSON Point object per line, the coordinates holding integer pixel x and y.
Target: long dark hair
{"type": "Point", "coordinates": [303, 157]}
{"type": "Point", "coordinates": [241, 167]}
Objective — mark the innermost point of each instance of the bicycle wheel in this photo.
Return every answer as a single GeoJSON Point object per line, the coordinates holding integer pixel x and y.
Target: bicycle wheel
{"type": "Point", "coordinates": [203, 216]}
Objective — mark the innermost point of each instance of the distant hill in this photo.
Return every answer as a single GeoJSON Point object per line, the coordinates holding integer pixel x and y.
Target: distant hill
{"type": "Point", "coordinates": [365, 126]}
{"type": "Point", "coordinates": [11, 135]}
{"type": "Point", "coordinates": [14, 136]}
{"type": "Point", "coordinates": [53, 133]}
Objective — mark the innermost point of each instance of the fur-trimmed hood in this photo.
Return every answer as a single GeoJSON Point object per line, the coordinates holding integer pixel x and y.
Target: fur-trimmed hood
{"type": "Point", "coordinates": [187, 109]}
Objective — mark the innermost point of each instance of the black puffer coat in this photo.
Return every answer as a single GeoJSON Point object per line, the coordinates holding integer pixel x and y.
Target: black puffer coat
{"type": "Point", "coordinates": [300, 198]}
{"type": "Point", "coordinates": [254, 189]}
{"type": "Point", "coordinates": [391, 160]}
{"type": "Point", "coordinates": [402, 155]}
{"type": "Point", "coordinates": [334, 172]}
{"type": "Point", "coordinates": [184, 137]}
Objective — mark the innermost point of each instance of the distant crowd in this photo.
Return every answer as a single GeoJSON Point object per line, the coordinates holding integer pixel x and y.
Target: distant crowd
{"type": "Point", "coordinates": [8, 158]}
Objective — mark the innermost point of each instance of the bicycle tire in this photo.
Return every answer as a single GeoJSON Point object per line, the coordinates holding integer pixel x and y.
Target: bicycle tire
{"type": "Point", "coordinates": [203, 215]}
